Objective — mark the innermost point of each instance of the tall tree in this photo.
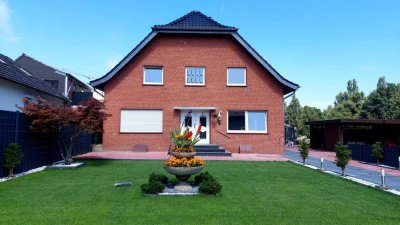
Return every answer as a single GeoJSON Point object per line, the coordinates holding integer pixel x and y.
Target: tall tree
{"type": "Point", "coordinates": [383, 102]}
{"type": "Point", "coordinates": [309, 114]}
{"type": "Point", "coordinates": [293, 115]}
{"type": "Point", "coordinates": [348, 105]}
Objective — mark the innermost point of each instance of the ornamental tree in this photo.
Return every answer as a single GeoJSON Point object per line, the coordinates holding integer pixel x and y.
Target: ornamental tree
{"type": "Point", "coordinates": [12, 158]}
{"type": "Point", "coordinates": [343, 156]}
{"type": "Point", "coordinates": [304, 149]}
{"type": "Point", "coordinates": [65, 121]}
{"type": "Point", "coordinates": [377, 152]}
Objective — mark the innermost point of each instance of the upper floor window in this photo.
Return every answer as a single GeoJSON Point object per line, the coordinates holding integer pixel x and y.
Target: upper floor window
{"type": "Point", "coordinates": [195, 76]}
{"type": "Point", "coordinates": [53, 83]}
{"type": "Point", "coordinates": [236, 77]}
{"type": "Point", "coordinates": [153, 75]}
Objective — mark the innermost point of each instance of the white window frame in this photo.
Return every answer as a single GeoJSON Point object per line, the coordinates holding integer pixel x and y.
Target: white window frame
{"type": "Point", "coordinates": [138, 131]}
{"type": "Point", "coordinates": [153, 67]}
{"type": "Point", "coordinates": [246, 119]}
{"type": "Point", "coordinates": [194, 84]}
{"type": "Point", "coordinates": [236, 85]}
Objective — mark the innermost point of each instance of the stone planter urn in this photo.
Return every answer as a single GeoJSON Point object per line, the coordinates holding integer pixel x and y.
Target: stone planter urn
{"type": "Point", "coordinates": [183, 173]}
{"type": "Point", "coordinates": [181, 155]}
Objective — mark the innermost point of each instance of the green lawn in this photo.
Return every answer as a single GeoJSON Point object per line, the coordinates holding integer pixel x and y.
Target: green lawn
{"type": "Point", "coordinates": [253, 193]}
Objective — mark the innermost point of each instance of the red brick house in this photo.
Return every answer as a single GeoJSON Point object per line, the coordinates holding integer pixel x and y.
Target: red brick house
{"type": "Point", "coordinates": [194, 63]}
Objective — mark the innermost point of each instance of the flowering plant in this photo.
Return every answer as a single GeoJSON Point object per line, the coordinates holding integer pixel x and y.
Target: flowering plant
{"type": "Point", "coordinates": [184, 162]}
{"type": "Point", "coordinates": [183, 139]}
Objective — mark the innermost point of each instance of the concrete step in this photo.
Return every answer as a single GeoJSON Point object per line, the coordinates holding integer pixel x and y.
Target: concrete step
{"type": "Point", "coordinates": [211, 150]}
{"type": "Point", "coordinates": [226, 153]}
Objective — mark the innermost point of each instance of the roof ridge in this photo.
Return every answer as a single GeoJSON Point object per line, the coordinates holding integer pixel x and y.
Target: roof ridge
{"type": "Point", "coordinates": [175, 23]}
{"type": "Point", "coordinates": [30, 57]}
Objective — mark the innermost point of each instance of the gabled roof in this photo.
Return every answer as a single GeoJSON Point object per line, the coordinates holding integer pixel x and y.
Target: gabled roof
{"type": "Point", "coordinates": [11, 71]}
{"type": "Point", "coordinates": [195, 22]}
{"type": "Point", "coordinates": [40, 70]}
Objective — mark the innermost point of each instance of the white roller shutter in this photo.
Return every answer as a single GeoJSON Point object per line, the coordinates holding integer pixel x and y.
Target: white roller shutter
{"type": "Point", "coordinates": [141, 121]}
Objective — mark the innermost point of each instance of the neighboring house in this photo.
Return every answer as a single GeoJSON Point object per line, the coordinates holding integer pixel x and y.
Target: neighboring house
{"type": "Point", "coordinates": [60, 80]}
{"type": "Point", "coordinates": [194, 63]}
{"type": "Point", "coordinates": [16, 84]}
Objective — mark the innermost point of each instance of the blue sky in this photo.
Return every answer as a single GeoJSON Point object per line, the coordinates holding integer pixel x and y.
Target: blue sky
{"type": "Point", "coordinates": [317, 44]}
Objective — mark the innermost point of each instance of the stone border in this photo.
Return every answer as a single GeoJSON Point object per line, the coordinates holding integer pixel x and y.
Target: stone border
{"type": "Point", "coordinates": [171, 191]}
{"type": "Point", "coordinates": [356, 180]}
{"type": "Point", "coordinates": [61, 165]}
{"type": "Point", "coordinates": [24, 173]}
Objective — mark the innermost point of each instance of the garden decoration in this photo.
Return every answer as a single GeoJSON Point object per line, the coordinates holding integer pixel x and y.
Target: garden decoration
{"type": "Point", "coordinates": [183, 163]}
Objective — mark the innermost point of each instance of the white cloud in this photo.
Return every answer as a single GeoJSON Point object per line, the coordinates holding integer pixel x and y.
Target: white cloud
{"type": "Point", "coordinates": [111, 62]}
{"type": "Point", "coordinates": [6, 31]}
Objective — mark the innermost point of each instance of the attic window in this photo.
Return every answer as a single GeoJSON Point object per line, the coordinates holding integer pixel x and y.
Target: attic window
{"type": "Point", "coordinates": [195, 76]}
{"type": "Point", "coordinates": [236, 77]}
{"type": "Point", "coordinates": [153, 75]}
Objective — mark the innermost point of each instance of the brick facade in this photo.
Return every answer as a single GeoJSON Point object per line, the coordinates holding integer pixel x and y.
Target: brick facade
{"type": "Point", "coordinates": [174, 53]}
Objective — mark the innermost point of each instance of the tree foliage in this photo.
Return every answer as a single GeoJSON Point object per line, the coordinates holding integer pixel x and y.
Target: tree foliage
{"type": "Point", "coordinates": [293, 115]}
{"type": "Point", "coordinates": [47, 117]}
{"type": "Point", "coordinates": [383, 102]}
{"type": "Point", "coordinates": [348, 104]}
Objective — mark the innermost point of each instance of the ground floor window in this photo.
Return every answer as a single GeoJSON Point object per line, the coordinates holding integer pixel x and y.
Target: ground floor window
{"type": "Point", "coordinates": [247, 121]}
{"type": "Point", "coordinates": [141, 121]}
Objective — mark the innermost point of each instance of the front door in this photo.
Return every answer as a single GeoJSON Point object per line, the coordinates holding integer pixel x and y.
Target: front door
{"type": "Point", "coordinates": [193, 121]}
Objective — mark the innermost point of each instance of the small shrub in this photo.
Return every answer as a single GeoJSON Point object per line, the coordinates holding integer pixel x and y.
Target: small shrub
{"type": "Point", "coordinates": [202, 177]}
{"type": "Point", "coordinates": [377, 152]}
{"type": "Point", "coordinates": [152, 187]}
{"type": "Point", "coordinates": [210, 187]}
{"type": "Point", "coordinates": [343, 156]}
{"type": "Point", "coordinates": [12, 158]}
{"type": "Point", "coordinates": [304, 149]}
{"type": "Point", "coordinates": [158, 178]}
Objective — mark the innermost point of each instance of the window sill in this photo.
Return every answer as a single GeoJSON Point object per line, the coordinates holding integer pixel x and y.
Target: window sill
{"type": "Point", "coordinates": [195, 85]}
{"type": "Point", "coordinates": [236, 85]}
{"type": "Point", "coordinates": [246, 132]}
{"type": "Point", "coordinates": [126, 132]}
{"type": "Point", "coordinates": [152, 84]}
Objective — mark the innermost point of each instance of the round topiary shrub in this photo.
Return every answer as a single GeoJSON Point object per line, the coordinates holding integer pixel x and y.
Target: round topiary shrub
{"type": "Point", "coordinates": [152, 187]}
{"type": "Point", "coordinates": [210, 187]}
{"type": "Point", "coordinates": [203, 177]}
{"type": "Point", "coordinates": [154, 177]}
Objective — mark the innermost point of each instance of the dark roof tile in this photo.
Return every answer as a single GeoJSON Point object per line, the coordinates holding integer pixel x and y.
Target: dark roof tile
{"type": "Point", "coordinates": [194, 20]}
{"type": "Point", "coordinates": [10, 70]}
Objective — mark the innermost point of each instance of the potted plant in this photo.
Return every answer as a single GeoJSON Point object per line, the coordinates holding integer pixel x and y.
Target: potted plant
{"type": "Point", "coordinates": [183, 164]}
{"type": "Point", "coordinates": [183, 140]}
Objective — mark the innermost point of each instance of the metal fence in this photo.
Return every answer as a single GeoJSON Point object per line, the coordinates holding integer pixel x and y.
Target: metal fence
{"type": "Point", "coordinates": [290, 133]}
{"type": "Point", "coordinates": [39, 148]}
{"type": "Point", "coordinates": [363, 152]}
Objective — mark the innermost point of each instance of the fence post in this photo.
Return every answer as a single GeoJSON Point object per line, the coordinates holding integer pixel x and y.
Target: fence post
{"type": "Point", "coordinates": [16, 126]}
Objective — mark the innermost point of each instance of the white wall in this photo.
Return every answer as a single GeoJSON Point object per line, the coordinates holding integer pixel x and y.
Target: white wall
{"type": "Point", "coordinates": [11, 94]}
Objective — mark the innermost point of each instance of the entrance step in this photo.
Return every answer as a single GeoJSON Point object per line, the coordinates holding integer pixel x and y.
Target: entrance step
{"type": "Point", "coordinates": [211, 150]}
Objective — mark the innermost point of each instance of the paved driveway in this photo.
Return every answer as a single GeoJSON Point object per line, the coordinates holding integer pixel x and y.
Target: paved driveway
{"type": "Point", "coordinates": [371, 175]}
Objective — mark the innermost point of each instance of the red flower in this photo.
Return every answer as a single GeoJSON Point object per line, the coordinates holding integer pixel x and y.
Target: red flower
{"type": "Point", "coordinates": [189, 135]}
{"type": "Point", "coordinates": [199, 129]}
